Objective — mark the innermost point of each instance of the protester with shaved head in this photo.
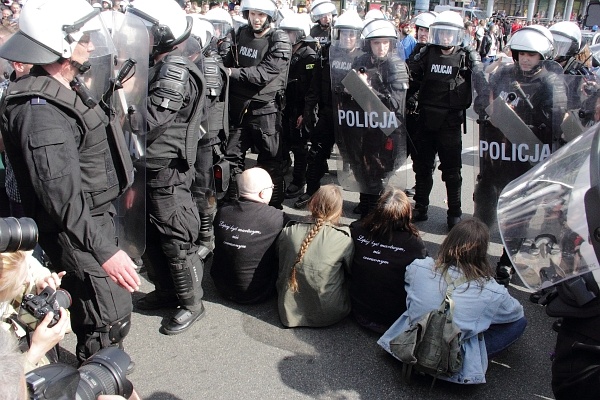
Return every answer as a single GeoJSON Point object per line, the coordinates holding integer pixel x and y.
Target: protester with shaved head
{"type": "Point", "coordinates": [245, 263]}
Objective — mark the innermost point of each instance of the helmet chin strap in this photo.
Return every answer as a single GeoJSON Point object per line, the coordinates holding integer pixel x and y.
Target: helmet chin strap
{"type": "Point", "coordinates": [82, 68]}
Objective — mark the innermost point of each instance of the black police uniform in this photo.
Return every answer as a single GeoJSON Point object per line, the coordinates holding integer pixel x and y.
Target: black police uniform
{"type": "Point", "coordinates": [175, 104]}
{"type": "Point", "coordinates": [377, 153]}
{"type": "Point", "coordinates": [68, 176]}
{"type": "Point", "coordinates": [259, 68]}
{"type": "Point", "coordinates": [320, 33]}
{"type": "Point", "coordinates": [215, 129]}
{"type": "Point", "coordinates": [296, 140]}
{"type": "Point", "coordinates": [444, 85]}
{"type": "Point", "coordinates": [542, 110]}
{"type": "Point", "coordinates": [322, 139]}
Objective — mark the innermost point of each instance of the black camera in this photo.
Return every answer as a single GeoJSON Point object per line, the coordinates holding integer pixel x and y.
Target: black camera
{"type": "Point", "coordinates": [40, 305]}
{"type": "Point", "coordinates": [17, 234]}
{"type": "Point", "coordinates": [102, 373]}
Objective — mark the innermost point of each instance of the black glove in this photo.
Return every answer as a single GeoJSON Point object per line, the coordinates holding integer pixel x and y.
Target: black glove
{"type": "Point", "coordinates": [504, 274]}
{"type": "Point", "coordinates": [411, 104]}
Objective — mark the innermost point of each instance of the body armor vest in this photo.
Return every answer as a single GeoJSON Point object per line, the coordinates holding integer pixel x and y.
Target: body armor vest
{"type": "Point", "coordinates": [321, 35]}
{"type": "Point", "coordinates": [180, 140]}
{"type": "Point", "coordinates": [103, 154]}
{"type": "Point", "coordinates": [251, 51]}
{"type": "Point", "coordinates": [445, 82]}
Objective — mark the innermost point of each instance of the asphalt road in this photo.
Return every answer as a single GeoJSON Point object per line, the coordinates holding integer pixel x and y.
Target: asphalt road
{"type": "Point", "coordinates": [243, 352]}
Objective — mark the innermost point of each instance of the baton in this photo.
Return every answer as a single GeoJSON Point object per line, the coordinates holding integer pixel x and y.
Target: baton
{"type": "Point", "coordinates": [117, 83]}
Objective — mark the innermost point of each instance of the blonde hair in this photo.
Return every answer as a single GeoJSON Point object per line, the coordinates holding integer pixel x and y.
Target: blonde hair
{"type": "Point", "coordinates": [325, 205]}
{"type": "Point", "coordinates": [13, 274]}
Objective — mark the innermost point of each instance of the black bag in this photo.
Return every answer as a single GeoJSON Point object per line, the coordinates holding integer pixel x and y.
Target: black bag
{"type": "Point", "coordinates": [432, 345]}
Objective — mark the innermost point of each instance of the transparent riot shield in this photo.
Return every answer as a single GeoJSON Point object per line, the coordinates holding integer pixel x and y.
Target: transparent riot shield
{"type": "Point", "coordinates": [520, 114]}
{"type": "Point", "coordinates": [100, 59]}
{"type": "Point", "coordinates": [549, 219]}
{"type": "Point", "coordinates": [369, 122]}
{"type": "Point", "coordinates": [128, 100]}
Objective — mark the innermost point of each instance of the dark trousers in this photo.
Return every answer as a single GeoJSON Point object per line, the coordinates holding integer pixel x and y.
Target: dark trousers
{"type": "Point", "coordinates": [261, 132]}
{"type": "Point", "coordinates": [98, 302]}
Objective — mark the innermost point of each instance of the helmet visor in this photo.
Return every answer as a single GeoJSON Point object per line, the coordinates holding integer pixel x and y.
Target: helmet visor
{"type": "Point", "coordinates": [562, 45]}
{"type": "Point", "coordinates": [222, 29]}
{"type": "Point", "coordinates": [346, 38]}
{"type": "Point", "coordinates": [445, 36]}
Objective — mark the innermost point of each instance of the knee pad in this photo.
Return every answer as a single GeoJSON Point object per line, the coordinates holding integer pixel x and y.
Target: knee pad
{"type": "Point", "coordinates": [119, 329]}
{"type": "Point", "coordinates": [451, 175]}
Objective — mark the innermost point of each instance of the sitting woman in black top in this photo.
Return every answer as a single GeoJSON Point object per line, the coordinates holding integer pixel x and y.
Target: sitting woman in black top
{"type": "Point", "coordinates": [385, 242]}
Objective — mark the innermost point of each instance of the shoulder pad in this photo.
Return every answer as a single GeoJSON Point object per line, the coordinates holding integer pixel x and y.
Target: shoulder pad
{"type": "Point", "coordinates": [169, 88]}
{"type": "Point", "coordinates": [280, 44]}
{"type": "Point", "coordinates": [422, 52]}
{"type": "Point", "coordinates": [473, 54]}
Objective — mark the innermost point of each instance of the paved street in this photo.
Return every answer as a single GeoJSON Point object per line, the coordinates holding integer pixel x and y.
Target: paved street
{"type": "Point", "coordinates": [243, 352]}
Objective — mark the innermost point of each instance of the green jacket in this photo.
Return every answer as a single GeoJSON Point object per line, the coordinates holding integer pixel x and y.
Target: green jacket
{"type": "Point", "coordinates": [323, 285]}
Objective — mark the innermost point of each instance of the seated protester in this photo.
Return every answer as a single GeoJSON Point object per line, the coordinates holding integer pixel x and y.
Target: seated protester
{"type": "Point", "coordinates": [21, 274]}
{"type": "Point", "coordinates": [385, 242]}
{"type": "Point", "coordinates": [314, 258]}
{"type": "Point", "coordinates": [489, 318]}
{"type": "Point", "coordinates": [244, 266]}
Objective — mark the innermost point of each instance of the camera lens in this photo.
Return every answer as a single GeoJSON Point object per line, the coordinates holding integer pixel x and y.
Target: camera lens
{"type": "Point", "coordinates": [17, 234]}
{"type": "Point", "coordinates": [104, 373]}
{"type": "Point", "coordinates": [63, 298]}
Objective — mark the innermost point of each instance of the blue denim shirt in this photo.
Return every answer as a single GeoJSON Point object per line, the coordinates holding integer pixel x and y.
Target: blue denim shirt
{"type": "Point", "coordinates": [476, 308]}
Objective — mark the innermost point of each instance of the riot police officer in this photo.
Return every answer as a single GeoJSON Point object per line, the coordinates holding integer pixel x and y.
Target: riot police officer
{"type": "Point", "coordinates": [257, 67]}
{"type": "Point", "coordinates": [345, 41]}
{"type": "Point", "coordinates": [380, 153]}
{"type": "Point", "coordinates": [223, 26]}
{"type": "Point", "coordinates": [442, 74]}
{"type": "Point", "coordinates": [295, 131]}
{"type": "Point", "coordinates": [175, 105]}
{"type": "Point", "coordinates": [71, 162]}
{"type": "Point", "coordinates": [567, 44]}
{"type": "Point", "coordinates": [532, 92]}
{"type": "Point", "coordinates": [322, 13]}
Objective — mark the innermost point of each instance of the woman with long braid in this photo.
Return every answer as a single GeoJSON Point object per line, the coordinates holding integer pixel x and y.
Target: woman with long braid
{"type": "Point", "coordinates": [314, 259]}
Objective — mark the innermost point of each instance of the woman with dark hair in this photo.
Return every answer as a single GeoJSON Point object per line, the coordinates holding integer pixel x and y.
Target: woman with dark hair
{"type": "Point", "coordinates": [489, 318]}
{"type": "Point", "coordinates": [314, 258]}
{"type": "Point", "coordinates": [385, 242]}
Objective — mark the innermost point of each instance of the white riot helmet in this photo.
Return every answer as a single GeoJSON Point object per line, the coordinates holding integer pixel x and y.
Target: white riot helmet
{"type": "Point", "coordinates": [447, 29]}
{"type": "Point", "coordinates": [320, 8]}
{"type": "Point", "coordinates": [374, 14]}
{"type": "Point", "coordinates": [532, 39]}
{"type": "Point", "coordinates": [379, 29]}
{"type": "Point", "coordinates": [203, 31]}
{"type": "Point", "coordinates": [567, 38]}
{"type": "Point", "coordinates": [221, 21]}
{"type": "Point", "coordinates": [296, 26]}
{"type": "Point", "coordinates": [425, 19]}
{"type": "Point", "coordinates": [265, 6]}
{"type": "Point", "coordinates": [347, 26]}
{"type": "Point", "coordinates": [50, 30]}
{"type": "Point", "coordinates": [166, 20]}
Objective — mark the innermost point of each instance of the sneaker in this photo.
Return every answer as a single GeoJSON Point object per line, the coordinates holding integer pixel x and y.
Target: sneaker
{"type": "Point", "coordinates": [155, 301]}
{"type": "Point", "coordinates": [302, 201]}
{"type": "Point", "coordinates": [294, 191]}
{"type": "Point", "coordinates": [182, 321]}
{"type": "Point", "coordinates": [452, 221]}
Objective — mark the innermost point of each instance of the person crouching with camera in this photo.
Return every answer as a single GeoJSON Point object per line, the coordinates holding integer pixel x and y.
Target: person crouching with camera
{"type": "Point", "coordinates": [22, 276]}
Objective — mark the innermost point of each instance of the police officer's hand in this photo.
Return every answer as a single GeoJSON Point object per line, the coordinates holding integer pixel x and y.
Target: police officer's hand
{"type": "Point", "coordinates": [45, 338]}
{"type": "Point", "coordinates": [299, 122]}
{"type": "Point", "coordinates": [121, 269]}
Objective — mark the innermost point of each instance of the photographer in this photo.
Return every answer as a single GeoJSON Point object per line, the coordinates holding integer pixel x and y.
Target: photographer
{"type": "Point", "coordinates": [12, 380]}
{"type": "Point", "coordinates": [18, 271]}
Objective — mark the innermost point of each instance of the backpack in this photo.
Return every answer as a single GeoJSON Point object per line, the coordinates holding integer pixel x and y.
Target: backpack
{"type": "Point", "coordinates": [432, 344]}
